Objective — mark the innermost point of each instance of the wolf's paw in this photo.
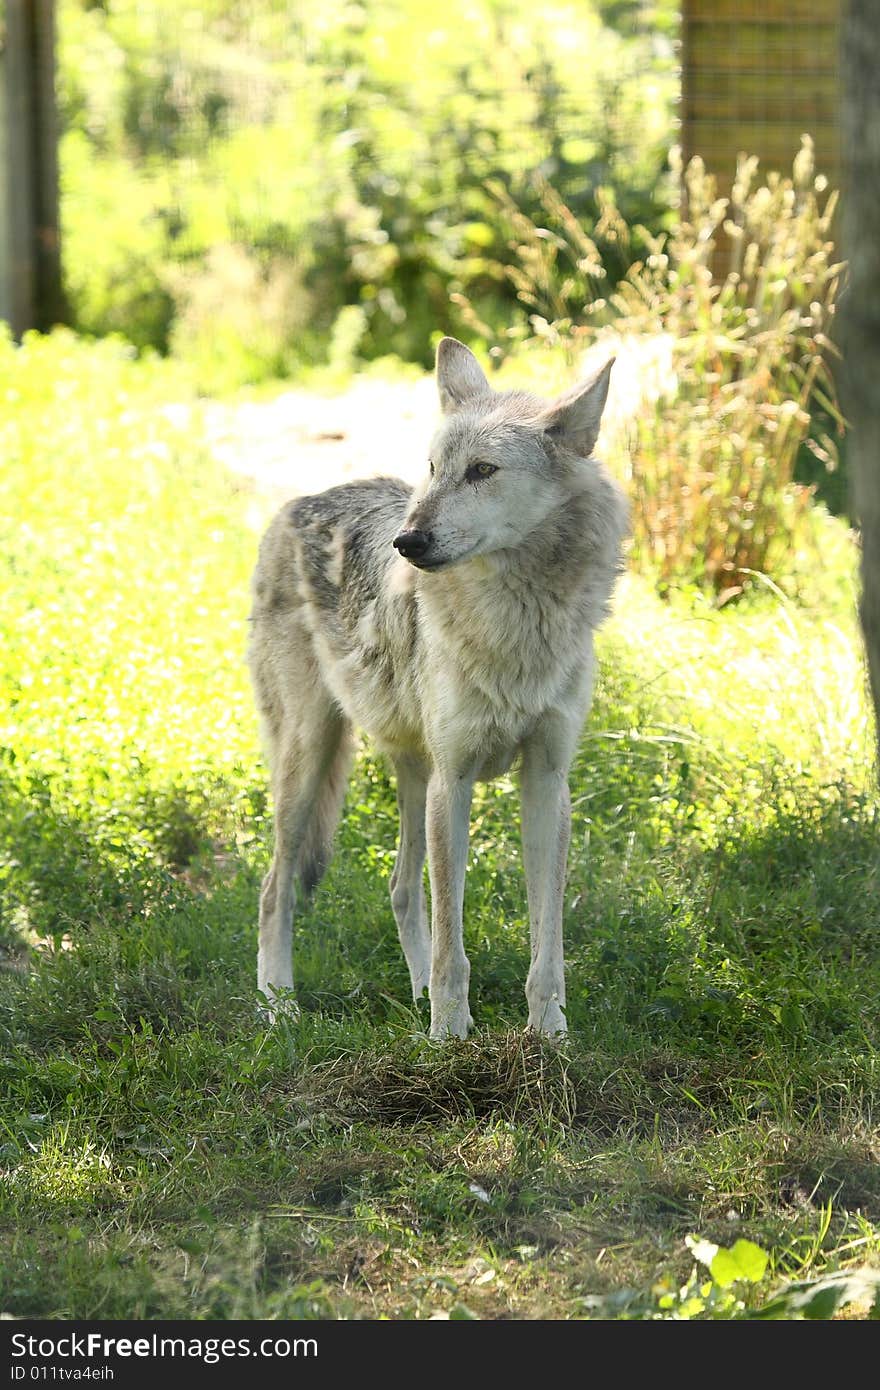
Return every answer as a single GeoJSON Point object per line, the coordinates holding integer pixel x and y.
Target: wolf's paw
{"type": "Point", "coordinates": [548, 1020]}
{"type": "Point", "coordinates": [450, 1020]}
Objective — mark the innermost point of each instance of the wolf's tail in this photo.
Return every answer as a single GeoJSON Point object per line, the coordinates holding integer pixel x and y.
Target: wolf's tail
{"type": "Point", "coordinates": [317, 844]}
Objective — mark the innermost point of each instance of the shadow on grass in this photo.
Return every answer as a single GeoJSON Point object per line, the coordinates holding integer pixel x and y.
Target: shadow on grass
{"type": "Point", "coordinates": [56, 877]}
{"type": "Point", "coordinates": [97, 934]}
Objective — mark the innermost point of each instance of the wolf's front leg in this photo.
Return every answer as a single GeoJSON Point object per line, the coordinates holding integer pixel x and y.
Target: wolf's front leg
{"type": "Point", "coordinates": [448, 826]}
{"type": "Point", "coordinates": [546, 832]}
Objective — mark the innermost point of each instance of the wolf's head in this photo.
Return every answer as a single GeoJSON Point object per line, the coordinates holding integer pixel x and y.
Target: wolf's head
{"type": "Point", "coordinates": [500, 462]}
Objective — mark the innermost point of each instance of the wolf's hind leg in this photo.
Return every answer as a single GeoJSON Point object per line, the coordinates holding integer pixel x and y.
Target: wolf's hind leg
{"type": "Point", "coordinates": [308, 781]}
{"type": "Point", "coordinates": [407, 880]}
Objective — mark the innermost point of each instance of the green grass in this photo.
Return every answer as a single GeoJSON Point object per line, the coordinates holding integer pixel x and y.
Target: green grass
{"type": "Point", "coordinates": [166, 1154]}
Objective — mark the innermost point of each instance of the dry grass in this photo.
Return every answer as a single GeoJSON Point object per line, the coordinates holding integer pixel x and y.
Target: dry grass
{"type": "Point", "coordinates": [515, 1077]}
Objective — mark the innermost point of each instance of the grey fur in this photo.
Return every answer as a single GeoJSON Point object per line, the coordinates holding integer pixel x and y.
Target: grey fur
{"type": "Point", "coordinates": [479, 652]}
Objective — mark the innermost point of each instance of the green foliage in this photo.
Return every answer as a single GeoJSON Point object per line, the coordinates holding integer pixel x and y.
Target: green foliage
{"type": "Point", "coordinates": [165, 1153]}
{"type": "Point", "coordinates": [235, 178]}
{"type": "Point", "coordinates": [714, 1297]}
{"type": "Point", "coordinates": [115, 244]}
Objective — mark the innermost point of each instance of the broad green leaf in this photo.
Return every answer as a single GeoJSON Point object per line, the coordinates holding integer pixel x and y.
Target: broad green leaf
{"type": "Point", "coordinates": [744, 1260]}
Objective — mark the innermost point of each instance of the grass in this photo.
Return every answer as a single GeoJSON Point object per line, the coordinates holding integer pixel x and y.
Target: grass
{"type": "Point", "coordinates": [166, 1154]}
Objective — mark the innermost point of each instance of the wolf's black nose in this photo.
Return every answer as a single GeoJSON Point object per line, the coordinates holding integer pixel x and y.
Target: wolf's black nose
{"type": "Point", "coordinates": [413, 545]}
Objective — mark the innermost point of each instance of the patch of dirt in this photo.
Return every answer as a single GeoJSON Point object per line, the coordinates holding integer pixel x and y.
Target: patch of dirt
{"type": "Point", "coordinates": [302, 441]}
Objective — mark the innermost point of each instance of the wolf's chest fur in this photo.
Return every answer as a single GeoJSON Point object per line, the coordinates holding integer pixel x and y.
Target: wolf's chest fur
{"type": "Point", "coordinates": [500, 643]}
{"type": "Point", "coordinates": [488, 646]}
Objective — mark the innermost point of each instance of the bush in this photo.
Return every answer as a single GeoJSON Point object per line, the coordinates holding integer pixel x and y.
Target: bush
{"type": "Point", "coordinates": [115, 245]}
{"type": "Point", "coordinates": [713, 461]}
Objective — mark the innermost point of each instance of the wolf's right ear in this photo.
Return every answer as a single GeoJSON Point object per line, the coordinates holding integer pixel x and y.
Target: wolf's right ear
{"type": "Point", "coordinates": [460, 378]}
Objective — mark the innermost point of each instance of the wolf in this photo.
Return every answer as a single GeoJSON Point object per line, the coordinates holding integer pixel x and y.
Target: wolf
{"type": "Point", "coordinates": [454, 624]}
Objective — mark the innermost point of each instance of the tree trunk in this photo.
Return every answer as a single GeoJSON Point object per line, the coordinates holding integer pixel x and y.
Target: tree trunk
{"type": "Point", "coordinates": [860, 303]}
{"type": "Point", "coordinates": [30, 264]}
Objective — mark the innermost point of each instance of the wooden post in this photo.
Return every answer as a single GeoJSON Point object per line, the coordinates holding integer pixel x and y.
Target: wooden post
{"type": "Point", "coordinates": [756, 75]}
{"type": "Point", "coordinates": [30, 262]}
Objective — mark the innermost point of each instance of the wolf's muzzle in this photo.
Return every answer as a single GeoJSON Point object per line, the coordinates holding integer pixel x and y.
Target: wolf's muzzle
{"type": "Point", "coordinates": [413, 545]}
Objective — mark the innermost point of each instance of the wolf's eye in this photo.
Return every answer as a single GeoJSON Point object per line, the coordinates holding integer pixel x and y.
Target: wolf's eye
{"type": "Point", "coordinates": [431, 467]}
{"type": "Point", "coordinates": [476, 471]}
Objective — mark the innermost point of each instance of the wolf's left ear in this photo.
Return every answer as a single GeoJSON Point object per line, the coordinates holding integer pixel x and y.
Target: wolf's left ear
{"type": "Point", "coordinates": [573, 420]}
{"type": "Point", "coordinates": [460, 377]}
